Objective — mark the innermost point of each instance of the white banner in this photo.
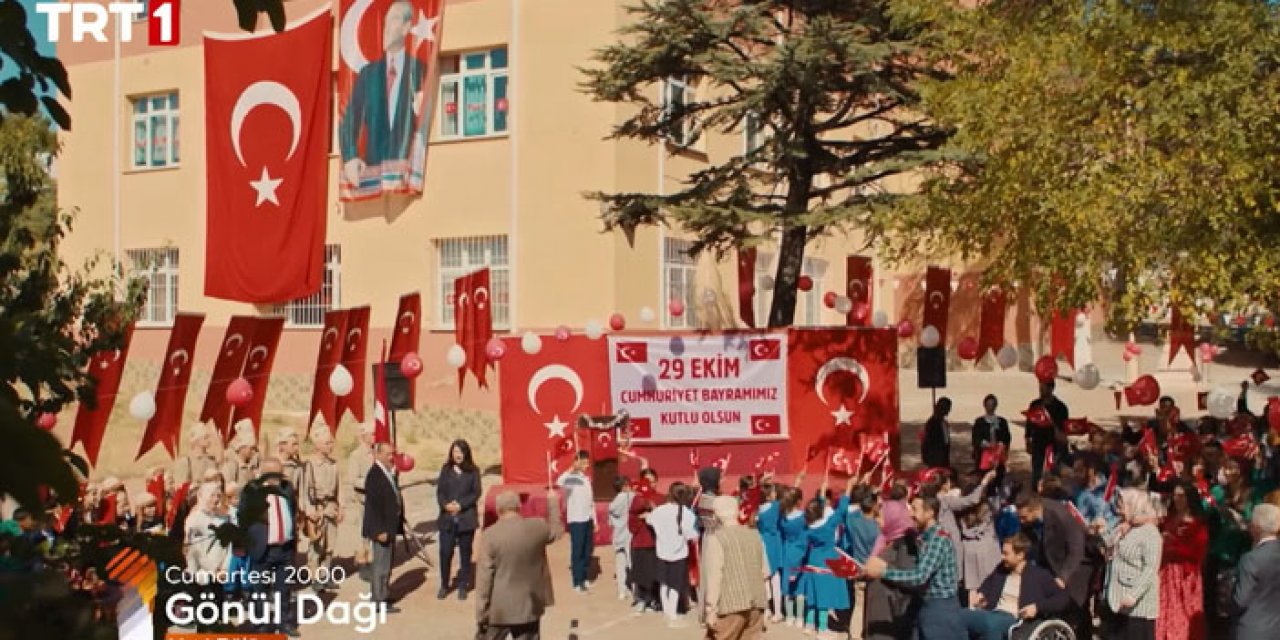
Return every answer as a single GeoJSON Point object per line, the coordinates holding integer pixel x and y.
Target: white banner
{"type": "Point", "coordinates": [701, 388]}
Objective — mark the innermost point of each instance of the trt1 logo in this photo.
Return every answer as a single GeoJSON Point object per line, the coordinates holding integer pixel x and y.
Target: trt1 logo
{"type": "Point", "coordinates": [93, 19]}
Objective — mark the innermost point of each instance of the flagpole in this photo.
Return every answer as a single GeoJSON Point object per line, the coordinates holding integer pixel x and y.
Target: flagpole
{"type": "Point", "coordinates": [116, 123]}
{"type": "Point", "coordinates": [513, 140]}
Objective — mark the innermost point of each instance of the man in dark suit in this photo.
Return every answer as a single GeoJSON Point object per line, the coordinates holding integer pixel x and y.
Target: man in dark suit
{"type": "Point", "coordinates": [1059, 549]}
{"type": "Point", "coordinates": [383, 518]}
{"type": "Point", "coordinates": [385, 101]}
{"type": "Point", "coordinates": [935, 448]}
{"type": "Point", "coordinates": [1039, 438]}
{"type": "Point", "coordinates": [269, 510]}
{"type": "Point", "coordinates": [1038, 594]}
{"type": "Point", "coordinates": [513, 586]}
{"type": "Point", "coordinates": [1257, 592]}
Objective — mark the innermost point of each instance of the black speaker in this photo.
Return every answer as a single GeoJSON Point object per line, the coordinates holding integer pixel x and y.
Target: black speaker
{"type": "Point", "coordinates": [398, 398]}
{"type": "Point", "coordinates": [931, 367]}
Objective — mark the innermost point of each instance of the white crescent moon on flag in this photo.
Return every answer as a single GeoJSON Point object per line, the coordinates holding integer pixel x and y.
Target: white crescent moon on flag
{"type": "Point", "coordinates": [841, 364]}
{"type": "Point", "coordinates": [330, 334]}
{"type": "Point", "coordinates": [476, 294]}
{"type": "Point", "coordinates": [941, 299]}
{"type": "Point", "coordinates": [353, 337]}
{"type": "Point", "coordinates": [759, 425]}
{"type": "Point", "coordinates": [186, 357]}
{"type": "Point", "coordinates": [763, 348]}
{"type": "Point", "coordinates": [349, 35]}
{"type": "Point", "coordinates": [265, 352]}
{"type": "Point", "coordinates": [461, 300]}
{"type": "Point", "coordinates": [603, 439]}
{"type": "Point", "coordinates": [857, 285]}
{"type": "Point", "coordinates": [410, 315]}
{"type": "Point", "coordinates": [555, 372]}
{"type": "Point", "coordinates": [235, 338]}
{"type": "Point", "coordinates": [260, 93]}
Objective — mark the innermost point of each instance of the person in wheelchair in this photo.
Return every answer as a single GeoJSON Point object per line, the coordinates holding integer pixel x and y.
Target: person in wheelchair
{"type": "Point", "coordinates": [1014, 592]}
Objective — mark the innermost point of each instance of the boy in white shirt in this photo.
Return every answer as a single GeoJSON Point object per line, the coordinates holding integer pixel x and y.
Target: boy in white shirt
{"type": "Point", "coordinates": [674, 526]}
{"type": "Point", "coordinates": [581, 516]}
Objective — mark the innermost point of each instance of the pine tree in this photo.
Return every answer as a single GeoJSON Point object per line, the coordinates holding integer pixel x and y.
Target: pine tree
{"type": "Point", "coordinates": [832, 84]}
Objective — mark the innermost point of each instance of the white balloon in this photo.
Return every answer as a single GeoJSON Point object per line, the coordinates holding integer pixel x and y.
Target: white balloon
{"type": "Point", "coordinates": [531, 343]}
{"type": "Point", "coordinates": [929, 338]}
{"type": "Point", "coordinates": [766, 283]}
{"type": "Point", "coordinates": [1007, 356]}
{"type": "Point", "coordinates": [143, 406]}
{"type": "Point", "coordinates": [594, 329]}
{"type": "Point", "coordinates": [340, 381]}
{"type": "Point", "coordinates": [880, 319]}
{"type": "Point", "coordinates": [843, 305]}
{"type": "Point", "coordinates": [647, 314]}
{"type": "Point", "coordinates": [1221, 403]}
{"type": "Point", "coordinates": [1088, 377]}
{"type": "Point", "coordinates": [456, 357]}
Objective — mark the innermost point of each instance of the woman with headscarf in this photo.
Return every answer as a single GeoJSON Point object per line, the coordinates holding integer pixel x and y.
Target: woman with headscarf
{"type": "Point", "coordinates": [1133, 586]}
{"type": "Point", "coordinates": [890, 609]}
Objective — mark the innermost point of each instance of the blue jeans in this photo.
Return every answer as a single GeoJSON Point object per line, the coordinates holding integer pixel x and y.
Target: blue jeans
{"type": "Point", "coordinates": [940, 620]}
{"type": "Point", "coordinates": [580, 551]}
{"type": "Point", "coordinates": [987, 625]}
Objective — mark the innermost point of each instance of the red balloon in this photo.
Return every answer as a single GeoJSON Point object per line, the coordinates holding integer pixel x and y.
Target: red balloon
{"type": "Point", "coordinates": [563, 333]}
{"type": "Point", "coordinates": [495, 349]}
{"type": "Point", "coordinates": [411, 365]}
{"type": "Point", "coordinates": [1046, 369]}
{"type": "Point", "coordinates": [968, 348]}
{"type": "Point", "coordinates": [617, 322]}
{"type": "Point", "coordinates": [47, 421]}
{"type": "Point", "coordinates": [239, 392]}
{"type": "Point", "coordinates": [1207, 351]}
{"type": "Point", "coordinates": [805, 283]}
{"type": "Point", "coordinates": [1127, 356]}
{"type": "Point", "coordinates": [829, 299]}
{"type": "Point", "coordinates": [676, 308]}
{"type": "Point", "coordinates": [404, 462]}
{"type": "Point", "coordinates": [906, 329]}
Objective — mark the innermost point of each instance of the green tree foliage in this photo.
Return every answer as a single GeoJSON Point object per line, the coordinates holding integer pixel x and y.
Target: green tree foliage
{"type": "Point", "coordinates": [833, 85]}
{"type": "Point", "coordinates": [1116, 150]}
{"type": "Point", "coordinates": [31, 75]}
{"type": "Point", "coordinates": [52, 318]}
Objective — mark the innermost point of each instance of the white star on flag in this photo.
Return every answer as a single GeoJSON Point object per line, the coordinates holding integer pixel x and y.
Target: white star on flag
{"type": "Point", "coordinates": [556, 427]}
{"type": "Point", "coordinates": [424, 30]}
{"type": "Point", "coordinates": [842, 415]}
{"type": "Point", "coordinates": [266, 187]}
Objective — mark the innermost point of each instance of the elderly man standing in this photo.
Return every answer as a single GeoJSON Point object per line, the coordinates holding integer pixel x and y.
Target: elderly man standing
{"type": "Point", "coordinates": [513, 586]}
{"type": "Point", "coordinates": [383, 519]}
{"type": "Point", "coordinates": [1257, 592]}
{"type": "Point", "coordinates": [358, 464]}
{"type": "Point", "coordinates": [735, 569]}
{"type": "Point", "coordinates": [320, 487]}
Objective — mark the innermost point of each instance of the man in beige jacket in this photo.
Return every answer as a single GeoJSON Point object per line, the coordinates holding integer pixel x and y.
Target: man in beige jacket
{"type": "Point", "coordinates": [735, 569]}
{"type": "Point", "coordinates": [513, 586]}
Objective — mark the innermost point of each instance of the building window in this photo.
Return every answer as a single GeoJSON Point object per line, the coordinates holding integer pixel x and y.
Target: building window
{"type": "Point", "coordinates": [461, 256]}
{"type": "Point", "coordinates": [765, 269]}
{"type": "Point", "coordinates": [309, 312]}
{"type": "Point", "coordinates": [752, 133]}
{"type": "Point", "coordinates": [677, 96]}
{"type": "Point", "coordinates": [473, 94]}
{"type": "Point", "coordinates": [155, 130]}
{"type": "Point", "coordinates": [158, 268]}
{"type": "Point", "coordinates": [679, 282]}
{"type": "Point", "coordinates": [816, 269]}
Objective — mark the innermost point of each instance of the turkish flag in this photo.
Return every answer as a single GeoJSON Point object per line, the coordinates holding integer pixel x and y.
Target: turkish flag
{"type": "Point", "coordinates": [407, 337]}
{"type": "Point", "coordinates": [770, 425]}
{"type": "Point", "coordinates": [542, 395]}
{"type": "Point", "coordinates": [759, 349]}
{"type": "Point", "coordinates": [106, 369]}
{"type": "Point", "coordinates": [231, 354]}
{"type": "Point", "coordinates": [993, 456]}
{"type": "Point", "coordinates": [1062, 337]}
{"type": "Point", "coordinates": [747, 286]}
{"type": "Point", "coordinates": [1038, 417]}
{"type": "Point", "coordinates": [604, 445]}
{"type": "Point", "coordinates": [1181, 336]}
{"type": "Point", "coordinates": [381, 423]}
{"type": "Point", "coordinates": [637, 352]}
{"type": "Point", "coordinates": [323, 402]}
{"type": "Point", "coordinates": [858, 289]}
{"type": "Point", "coordinates": [937, 301]}
{"type": "Point", "coordinates": [991, 322]}
{"type": "Point", "coordinates": [1147, 443]}
{"type": "Point", "coordinates": [473, 322]}
{"type": "Point", "coordinates": [257, 369]}
{"type": "Point", "coordinates": [841, 381]}
{"type": "Point", "coordinates": [640, 428]}
{"type": "Point", "coordinates": [1113, 480]}
{"type": "Point", "coordinates": [171, 392]}
{"type": "Point", "coordinates": [843, 460]}
{"type": "Point", "coordinates": [1243, 446]}
{"type": "Point", "coordinates": [843, 566]}
{"type": "Point", "coordinates": [267, 129]}
{"type": "Point", "coordinates": [1182, 446]}
{"type": "Point", "coordinates": [1078, 426]}
{"type": "Point", "coordinates": [354, 357]}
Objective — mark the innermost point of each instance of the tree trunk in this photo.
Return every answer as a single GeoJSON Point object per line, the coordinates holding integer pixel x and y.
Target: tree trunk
{"type": "Point", "coordinates": [790, 255]}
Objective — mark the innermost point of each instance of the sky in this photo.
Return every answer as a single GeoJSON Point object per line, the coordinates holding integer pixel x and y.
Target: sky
{"type": "Point", "coordinates": [37, 24]}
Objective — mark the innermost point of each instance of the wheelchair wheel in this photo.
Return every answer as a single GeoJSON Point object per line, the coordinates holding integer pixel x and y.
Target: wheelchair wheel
{"type": "Point", "coordinates": [1046, 630]}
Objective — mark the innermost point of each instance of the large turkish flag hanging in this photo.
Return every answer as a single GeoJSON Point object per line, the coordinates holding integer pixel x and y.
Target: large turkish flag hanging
{"type": "Point", "coordinates": [106, 368]}
{"type": "Point", "coordinates": [332, 346]}
{"type": "Point", "coordinates": [991, 323]}
{"type": "Point", "coordinates": [542, 397]}
{"type": "Point", "coordinates": [257, 369]}
{"type": "Point", "coordinates": [230, 362]}
{"type": "Point", "coordinates": [1062, 337]}
{"type": "Point", "coordinates": [840, 382]}
{"type": "Point", "coordinates": [267, 129]}
{"type": "Point", "coordinates": [747, 286]}
{"type": "Point", "coordinates": [387, 83]}
{"type": "Point", "coordinates": [937, 301]}
{"type": "Point", "coordinates": [473, 322]}
{"type": "Point", "coordinates": [355, 358]}
{"type": "Point", "coordinates": [407, 336]}
{"type": "Point", "coordinates": [171, 392]}
{"type": "Point", "coordinates": [858, 289]}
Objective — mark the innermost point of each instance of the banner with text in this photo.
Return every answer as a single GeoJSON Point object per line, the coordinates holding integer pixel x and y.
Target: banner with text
{"type": "Point", "coordinates": [700, 388]}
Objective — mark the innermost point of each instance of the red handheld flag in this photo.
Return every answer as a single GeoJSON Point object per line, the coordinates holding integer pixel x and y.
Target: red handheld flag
{"type": "Point", "coordinates": [106, 369]}
{"type": "Point", "coordinates": [1113, 480]}
{"type": "Point", "coordinates": [993, 456]}
{"type": "Point", "coordinates": [842, 461]}
{"type": "Point", "coordinates": [1038, 417]}
{"type": "Point", "coordinates": [229, 365]}
{"type": "Point", "coordinates": [1243, 446]}
{"type": "Point", "coordinates": [1147, 445]}
{"type": "Point", "coordinates": [1079, 426]}
{"type": "Point", "coordinates": [171, 392]}
{"type": "Point", "coordinates": [267, 129]}
{"type": "Point", "coordinates": [723, 463]}
{"type": "Point", "coordinates": [844, 566]}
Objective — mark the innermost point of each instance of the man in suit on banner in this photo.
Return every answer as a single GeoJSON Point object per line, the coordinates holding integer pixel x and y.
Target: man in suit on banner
{"type": "Point", "coordinates": [383, 519]}
{"type": "Point", "coordinates": [385, 101]}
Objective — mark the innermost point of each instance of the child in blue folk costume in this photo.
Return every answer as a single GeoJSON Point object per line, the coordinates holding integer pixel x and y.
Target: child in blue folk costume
{"type": "Point", "coordinates": [795, 542]}
{"type": "Point", "coordinates": [822, 591]}
{"type": "Point", "coordinates": [768, 522]}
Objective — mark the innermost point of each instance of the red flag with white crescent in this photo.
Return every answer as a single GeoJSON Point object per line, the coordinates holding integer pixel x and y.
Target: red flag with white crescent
{"type": "Point", "coordinates": [747, 286]}
{"type": "Point", "coordinates": [407, 336]}
{"type": "Point", "coordinates": [355, 358]}
{"type": "Point", "coordinates": [171, 392]}
{"type": "Point", "coordinates": [991, 323]}
{"type": "Point", "coordinates": [267, 130]}
{"type": "Point", "coordinates": [106, 369]}
{"type": "Point", "coordinates": [858, 290]}
{"type": "Point", "coordinates": [381, 417]}
{"type": "Point", "coordinates": [473, 322]}
{"type": "Point", "coordinates": [1062, 336]}
{"type": "Point", "coordinates": [937, 301]}
{"type": "Point", "coordinates": [323, 401]}
{"type": "Point", "coordinates": [231, 354]}
{"type": "Point", "coordinates": [387, 90]}
{"type": "Point", "coordinates": [257, 369]}
{"type": "Point", "coordinates": [604, 445]}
